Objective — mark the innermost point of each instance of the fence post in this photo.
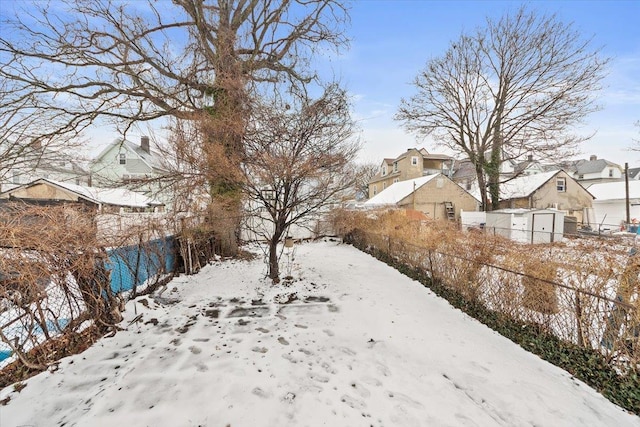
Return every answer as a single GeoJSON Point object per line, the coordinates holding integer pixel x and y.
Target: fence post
{"type": "Point", "coordinates": [581, 342]}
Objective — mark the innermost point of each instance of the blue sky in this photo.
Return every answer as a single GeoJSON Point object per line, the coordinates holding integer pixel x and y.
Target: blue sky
{"type": "Point", "coordinates": [393, 39]}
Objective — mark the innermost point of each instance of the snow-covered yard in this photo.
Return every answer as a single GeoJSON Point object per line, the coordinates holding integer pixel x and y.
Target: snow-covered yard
{"type": "Point", "coordinates": [361, 345]}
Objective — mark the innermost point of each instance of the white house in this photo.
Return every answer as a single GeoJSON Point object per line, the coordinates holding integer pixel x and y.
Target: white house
{"type": "Point", "coordinates": [594, 170]}
{"type": "Point", "coordinates": [44, 163]}
{"type": "Point", "coordinates": [124, 163]}
{"type": "Point", "coordinates": [610, 204]}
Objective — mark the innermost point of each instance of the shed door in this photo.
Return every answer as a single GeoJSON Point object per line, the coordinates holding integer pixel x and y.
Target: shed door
{"type": "Point", "coordinates": [542, 227]}
{"type": "Point", "coordinates": [519, 228]}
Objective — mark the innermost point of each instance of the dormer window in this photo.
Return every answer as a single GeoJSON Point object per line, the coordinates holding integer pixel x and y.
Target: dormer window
{"type": "Point", "coordinates": [610, 173]}
{"type": "Point", "coordinates": [395, 166]}
{"type": "Point", "coordinates": [122, 158]}
{"type": "Point", "coordinates": [384, 170]}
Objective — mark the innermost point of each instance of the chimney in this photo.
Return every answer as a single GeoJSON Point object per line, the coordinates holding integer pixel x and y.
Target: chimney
{"type": "Point", "coordinates": [144, 143]}
{"type": "Point", "coordinates": [593, 158]}
{"type": "Point", "coordinates": [530, 157]}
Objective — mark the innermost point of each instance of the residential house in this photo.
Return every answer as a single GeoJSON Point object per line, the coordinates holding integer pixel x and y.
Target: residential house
{"type": "Point", "coordinates": [113, 212]}
{"type": "Point", "coordinates": [528, 167]}
{"type": "Point", "coordinates": [44, 163]}
{"type": "Point", "coordinates": [593, 171]}
{"type": "Point", "coordinates": [45, 191]}
{"type": "Point", "coordinates": [124, 163]}
{"type": "Point", "coordinates": [435, 195]}
{"type": "Point", "coordinates": [634, 174]}
{"type": "Point", "coordinates": [411, 164]}
{"type": "Point", "coordinates": [610, 205]}
{"type": "Point", "coordinates": [554, 189]}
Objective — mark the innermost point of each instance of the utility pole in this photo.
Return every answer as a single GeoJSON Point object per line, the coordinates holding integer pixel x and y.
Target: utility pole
{"type": "Point", "coordinates": [626, 191]}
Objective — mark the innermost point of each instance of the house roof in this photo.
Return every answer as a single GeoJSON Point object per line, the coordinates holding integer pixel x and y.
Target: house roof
{"type": "Point", "coordinates": [465, 169]}
{"type": "Point", "coordinates": [615, 190]}
{"type": "Point", "coordinates": [106, 196]}
{"type": "Point", "coordinates": [151, 159]}
{"type": "Point", "coordinates": [398, 191]}
{"type": "Point", "coordinates": [524, 186]}
{"type": "Point", "coordinates": [594, 166]}
{"type": "Point", "coordinates": [633, 173]}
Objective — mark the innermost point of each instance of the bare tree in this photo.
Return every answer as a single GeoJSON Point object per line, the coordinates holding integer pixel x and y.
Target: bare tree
{"type": "Point", "coordinates": [88, 60]}
{"type": "Point", "coordinates": [363, 174]}
{"type": "Point", "coordinates": [298, 162]}
{"type": "Point", "coordinates": [514, 87]}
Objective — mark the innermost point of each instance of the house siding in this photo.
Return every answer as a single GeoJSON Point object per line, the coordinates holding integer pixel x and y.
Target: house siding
{"type": "Point", "coordinates": [430, 199]}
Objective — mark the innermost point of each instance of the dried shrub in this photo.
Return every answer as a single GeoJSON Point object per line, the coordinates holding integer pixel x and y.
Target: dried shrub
{"type": "Point", "coordinates": [56, 277]}
{"type": "Point", "coordinates": [572, 303]}
{"type": "Point", "coordinates": [574, 290]}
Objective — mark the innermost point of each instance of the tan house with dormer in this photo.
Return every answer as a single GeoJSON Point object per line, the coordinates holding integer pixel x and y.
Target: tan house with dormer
{"type": "Point", "coordinates": [413, 163]}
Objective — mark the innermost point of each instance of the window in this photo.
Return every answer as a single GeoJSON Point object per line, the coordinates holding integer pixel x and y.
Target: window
{"type": "Point", "coordinates": [395, 166]}
{"type": "Point", "coordinates": [580, 176]}
{"type": "Point", "coordinates": [375, 190]}
{"type": "Point", "coordinates": [384, 170]}
{"type": "Point", "coordinates": [396, 180]}
{"type": "Point", "coordinates": [561, 184]}
{"type": "Point", "coordinates": [384, 185]}
{"type": "Point", "coordinates": [610, 173]}
{"type": "Point", "coordinates": [123, 158]}
{"type": "Point", "coordinates": [414, 160]}
{"type": "Point", "coordinates": [16, 178]}
{"type": "Point", "coordinates": [268, 195]}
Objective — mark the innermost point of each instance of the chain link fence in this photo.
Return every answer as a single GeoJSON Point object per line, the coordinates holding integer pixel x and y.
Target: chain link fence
{"type": "Point", "coordinates": [59, 284]}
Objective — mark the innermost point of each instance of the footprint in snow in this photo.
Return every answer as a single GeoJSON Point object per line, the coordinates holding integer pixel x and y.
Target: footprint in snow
{"type": "Point", "coordinates": [372, 381]}
{"type": "Point", "coordinates": [283, 341]}
{"type": "Point", "coordinates": [290, 358]}
{"type": "Point", "coordinates": [305, 351]}
{"type": "Point", "coordinates": [195, 350]}
{"type": "Point", "coordinates": [353, 402]}
{"type": "Point", "coordinates": [260, 349]}
{"type": "Point", "coordinates": [360, 390]}
{"type": "Point", "coordinates": [318, 378]}
{"type": "Point", "coordinates": [328, 332]}
{"type": "Point", "coordinates": [405, 399]}
{"type": "Point", "coordinates": [261, 393]}
{"type": "Point", "coordinates": [347, 351]}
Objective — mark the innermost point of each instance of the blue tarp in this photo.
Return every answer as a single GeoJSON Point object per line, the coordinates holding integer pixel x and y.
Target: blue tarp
{"type": "Point", "coordinates": [131, 266]}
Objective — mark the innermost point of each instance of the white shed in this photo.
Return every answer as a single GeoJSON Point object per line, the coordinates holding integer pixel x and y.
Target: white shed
{"type": "Point", "coordinates": [527, 225]}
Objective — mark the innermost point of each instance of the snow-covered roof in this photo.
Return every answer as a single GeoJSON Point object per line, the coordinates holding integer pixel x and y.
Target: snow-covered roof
{"type": "Point", "coordinates": [101, 196]}
{"type": "Point", "coordinates": [398, 191]}
{"type": "Point", "coordinates": [525, 185]}
{"type": "Point", "coordinates": [615, 190]}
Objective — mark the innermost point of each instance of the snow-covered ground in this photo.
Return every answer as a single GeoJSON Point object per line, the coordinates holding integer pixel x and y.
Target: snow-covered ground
{"type": "Point", "coordinates": [361, 345]}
